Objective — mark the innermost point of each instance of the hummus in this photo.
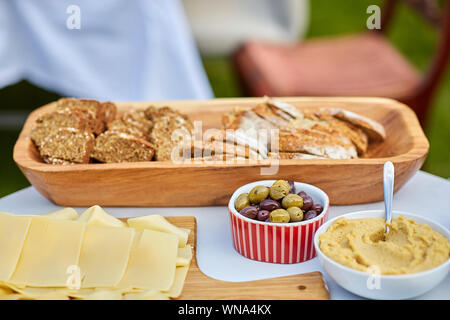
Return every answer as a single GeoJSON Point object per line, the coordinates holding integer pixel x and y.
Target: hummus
{"type": "Point", "coordinates": [361, 244]}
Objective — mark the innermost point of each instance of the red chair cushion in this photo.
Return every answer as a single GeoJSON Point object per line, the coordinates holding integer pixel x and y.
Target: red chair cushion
{"type": "Point", "coordinates": [357, 65]}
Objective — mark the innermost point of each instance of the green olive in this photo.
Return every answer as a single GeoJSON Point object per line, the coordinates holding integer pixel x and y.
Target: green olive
{"type": "Point", "coordinates": [292, 200]}
{"type": "Point", "coordinates": [258, 194]}
{"type": "Point", "coordinates": [242, 201]}
{"type": "Point", "coordinates": [295, 213]}
{"type": "Point", "coordinates": [280, 216]}
{"type": "Point", "coordinates": [279, 189]}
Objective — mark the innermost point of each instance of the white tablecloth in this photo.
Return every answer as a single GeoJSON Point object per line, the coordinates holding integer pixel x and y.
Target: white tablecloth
{"type": "Point", "coordinates": [424, 194]}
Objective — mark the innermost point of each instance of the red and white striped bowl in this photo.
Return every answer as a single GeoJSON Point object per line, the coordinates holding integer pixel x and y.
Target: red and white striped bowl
{"type": "Point", "coordinates": [277, 242]}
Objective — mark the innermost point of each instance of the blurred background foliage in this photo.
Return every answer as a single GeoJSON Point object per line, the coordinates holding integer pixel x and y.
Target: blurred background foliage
{"type": "Point", "coordinates": [409, 33]}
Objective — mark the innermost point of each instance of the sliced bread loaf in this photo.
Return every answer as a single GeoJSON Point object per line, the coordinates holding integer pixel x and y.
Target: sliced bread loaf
{"type": "Point", "coordinates": [92, 108]}
{"type": "Point", "coordinates": [68, 144]}
{"type": "Point", "coordinates": [111, 147]}
{"type": "Point", "coordinates": [110, 111]}
{"type": "Point", "coordinates": [119, 126]}
{"type": "Point", "coordinates": [315, 143]}
{"type": "Point", "coordinates": [167, 123]}
{"type": "Point", "coordinates": [50, 122]}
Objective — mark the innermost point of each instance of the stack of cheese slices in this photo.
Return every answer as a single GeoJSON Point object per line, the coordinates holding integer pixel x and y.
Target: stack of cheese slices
{"type": "Point", "coordinates": [92, 256]}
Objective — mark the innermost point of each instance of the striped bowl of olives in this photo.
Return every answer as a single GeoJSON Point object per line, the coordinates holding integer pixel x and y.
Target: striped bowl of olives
{"type": "Point", "coordinates": [275, 220]}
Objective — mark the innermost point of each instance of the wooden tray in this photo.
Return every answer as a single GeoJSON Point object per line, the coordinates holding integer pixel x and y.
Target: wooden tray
{"type": "Point", "coordinates": [198, 286]}
{"type": "Point", "coordinates": [167, 184]}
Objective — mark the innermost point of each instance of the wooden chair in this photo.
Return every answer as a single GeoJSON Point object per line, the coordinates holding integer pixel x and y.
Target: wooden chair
{"type": "Point", "coordinates": [364, 64]}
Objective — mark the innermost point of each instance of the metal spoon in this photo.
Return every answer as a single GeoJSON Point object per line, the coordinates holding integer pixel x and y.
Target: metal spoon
{"type": "Point", "coordinates": [388, 184]}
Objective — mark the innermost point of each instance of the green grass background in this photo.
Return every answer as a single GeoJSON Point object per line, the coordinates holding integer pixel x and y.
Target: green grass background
{"type": "Point", "coordinates": [410, 35]}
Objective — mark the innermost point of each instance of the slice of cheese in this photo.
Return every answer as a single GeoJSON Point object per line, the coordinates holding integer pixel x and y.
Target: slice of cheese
{"type": "Point", "coordinates": [65, 214]}
{"type": "Point", "coordinates": [53, 296]}
{"type": "Point", "coordinates": [50, 249]}
{"type": "Point", "coordinates": [188, 231]}
{"type": "Point", "coordinates": [4, 291]}
{"type": "Point", "coordinates": [184, 256]}
{"type": "Point", "coordinates": [152, 261]}
{"type": "Point", "coordinates": [157, 222]}
{"type": "Point", "coordinates": [105, 295]}
{"type": "Point", "coordinates": [178, 283]}
{"type": "Point", "coordinates": [13, 287]}
{"type": "Point", "coordinates": [13, 296]}
{"type": "Point", "coordinates": [96, 216]}
{"type": "Point", "coordinates": [83, 294]}
{"type": "Point", "coordinates": [45, 293]}
{"type": "Point", "coordinates": [151, 294]}
{"type": "Point", "coordinates": [13, 232]}
{"type": "Point", "coordinates": [104, 255]}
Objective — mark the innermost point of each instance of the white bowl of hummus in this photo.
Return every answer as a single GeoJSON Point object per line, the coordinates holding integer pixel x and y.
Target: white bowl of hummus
{"type": "Point", "coordinates": [410, 260]}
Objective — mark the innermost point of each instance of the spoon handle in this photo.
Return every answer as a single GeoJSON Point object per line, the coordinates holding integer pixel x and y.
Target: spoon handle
{"type": "Point", "coordinates": [388, 184]}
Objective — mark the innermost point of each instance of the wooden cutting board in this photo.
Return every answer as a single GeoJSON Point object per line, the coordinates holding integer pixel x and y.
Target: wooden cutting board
{"type": "Point", "coordinates": [198, 286]}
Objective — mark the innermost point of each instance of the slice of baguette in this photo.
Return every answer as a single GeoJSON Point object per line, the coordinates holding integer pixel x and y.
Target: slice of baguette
{"type": "Point", "coordinates": [246, 120]}
{"type": "Point", "coordinates": [52, 121]}
{"type": "Point", "coordinates": [353, 133]}
{"type": "Point", "coordinates": [109, 111]}
{"type": "Point", "coordinates": [87, 106]}
{"type": "Point", "coordinates": [56, 161]}
{"type": "Point", "coordinates": [374, 130]}
{"type": "Point", "coordinates": [169, 130]}
{"type": "Point", "coordinates": [111, 147]}
{"type": "Point", "coordinates": [68, 144]}
{"type": "Point", "coordinates": [283, 107]}
{"type": "Point", "coordinates": [138, 119]}
{"type": "Point", "coordinates": [134, 123]}
{"type": "Point", "coordinates": [318, 125]}
{"type": "Point", "coordinates": [326, 123]}
{"type": "Point", "coordinates": [264, 111]}
{"type": "Point", "coordinates": [315, 143]}
{"type": "Point", "coordinates": [222, 158]}
{"type": "Point", "coordinates": [293, 156]}
{"type": "Point", "coordinates": [206, 149]}
{"type": "Point", "coordinates": [239, 137]}
{"type": "Point", "coordinates": [153, 113]}
{"type": "Point", "coordinates": [119, 126]}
